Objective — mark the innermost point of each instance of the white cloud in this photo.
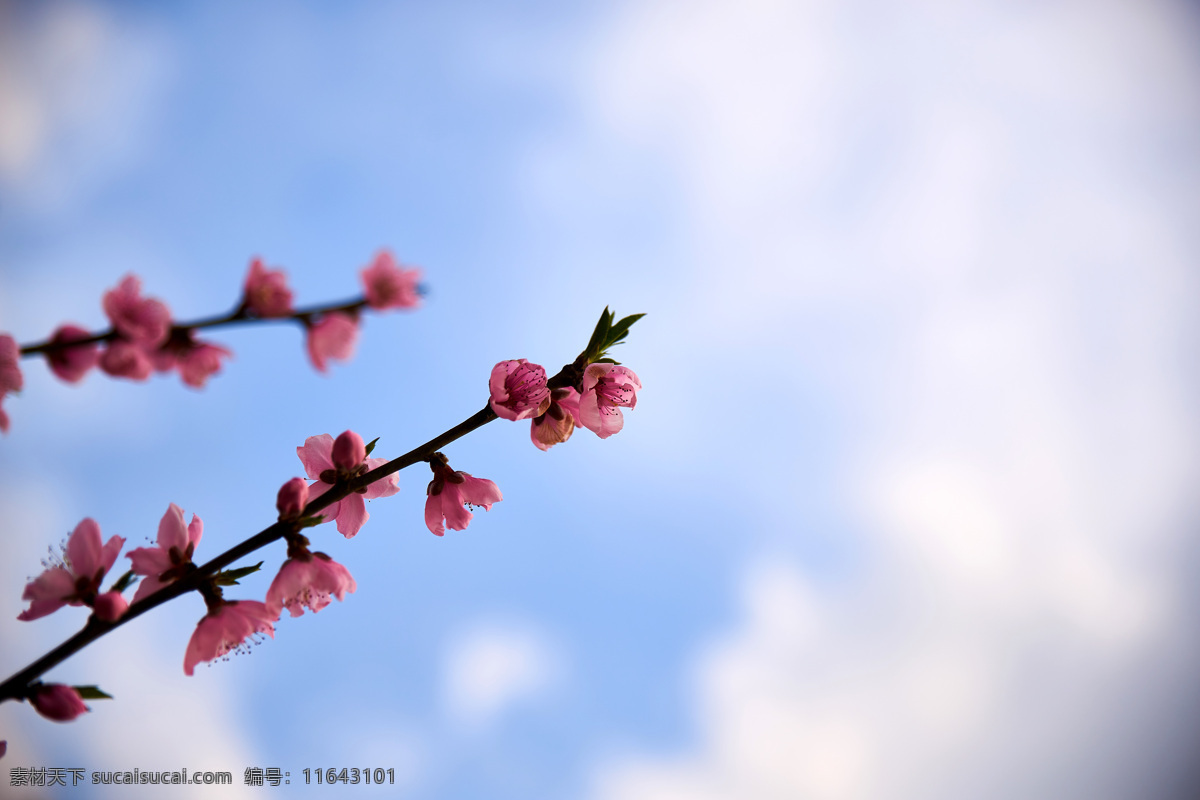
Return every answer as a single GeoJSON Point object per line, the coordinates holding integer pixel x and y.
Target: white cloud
{"type": "Point", "coordinates": [490, 668]}
{"type": "Point", "coordinates": [77, 87]}
{"type": "Point", "coordinates": [956, 219]}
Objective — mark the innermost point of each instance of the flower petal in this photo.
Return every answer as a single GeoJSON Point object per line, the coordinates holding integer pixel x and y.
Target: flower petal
{"type": "Point", "coordinates": [316, 455]}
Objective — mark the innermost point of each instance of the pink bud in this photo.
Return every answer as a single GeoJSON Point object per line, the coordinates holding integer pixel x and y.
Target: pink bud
{"type": "Point", "coordinates": [110, 606]}
{"type": "Point", "coordinates": [293, 497]}
{"type": "Point", "coordinates": [58, 702]}
{"type": "Point", "coordinates": [348, 451]}
{"type": "Point", "coordinates": [72, 363]}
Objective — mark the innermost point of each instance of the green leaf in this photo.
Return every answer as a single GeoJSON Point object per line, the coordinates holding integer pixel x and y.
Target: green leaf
{"type": "Point", "coordinates": [596, 343]}
{"type": "Point", "coordinates": [371, 445]}
{"type": "Point", "coordinates": [309, 522]}
{"type": "Point", "coordinates": [92, 693]}
{"type": "Point", "coordinates": [123, 582]}
{"type": "Point", "coordinates": [229, 577]}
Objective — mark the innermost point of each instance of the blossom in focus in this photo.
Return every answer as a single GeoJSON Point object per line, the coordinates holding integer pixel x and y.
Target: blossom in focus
{"type": "Point", "coordinates": [558, 422]}
{"type": "Point", "coordinates": [226, 628]}
{"type": "Point", "coordinates": [77, 580]}
{"type": "Point", "coordinates": [11, 379]}
{"type": "Point", "coordinates": [333, 336]}
{"type": "Point", "coordinates": [387, 285]}
{"type": "Point", "coordinates": [122, 359]}
{"type": "Point", "coordinates": [266, 291]}
{"type": "Point", "coordinates": [518, 390]}
{"type": "Point", "coordinates": [348, 452]}
{"type": "Point", "coordinates": [292, 498]}
{"type": "Point", "coordinates": [58, 702]}
{"type": "Point", "coordinates": [350, 512]}
{"type": "Point", "coordinates": [449, 492]}
{"type": "Point", "coordinates": [142, 320]}
{"type": "Point", "coordinates": [170, 559]}
{"type": "Point", "coordinates": [308, 580]}
{"type": "Point", "coordinates": [199, 361]}
{"type": "Point", "coordinates": [606, 389]}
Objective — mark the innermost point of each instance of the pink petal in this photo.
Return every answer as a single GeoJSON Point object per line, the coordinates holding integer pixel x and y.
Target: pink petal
{"type": "Point", "coordinates": [433, 514]}
{"type": "Point", "coordinates": [112, 549]}
{"type": "Point", "coordinates": [149, 561]}
{"type": "Point", "coordinates": [316, 455]}
{"type": "Point", "coordinates": [149, 586]}
{"type": "Point", "coordinates": [384, 487]}
{"type": "Point", "coordinates": [171, 530]}
{"type": "Point", "coordinates": [479, 491]}
{"type": "Point", "coordinates": [348, 451]}
{"type": "Point", "coordinates": [110, 606]}
{"type": "Point", "coordinates": [72, 363]}
{"type": "Point", "coordinates": [386, 285]}
{"type": "Point", "coordinates": [84, 549]}
{"type": "Point", "coordinates": [122, 359]}
{"type": "Point", "coordinates": [352, 515]}
{"type": "Point", "coordinates": [195, 531]}
{"type": "Point", "coordinates": [333, 336]}
{"type": "Point", "coordinates": [58, 702]}
{"type": "Point", "coordinates": [457, 515]}
{"type": "Point", "coordinates": [47, 593]}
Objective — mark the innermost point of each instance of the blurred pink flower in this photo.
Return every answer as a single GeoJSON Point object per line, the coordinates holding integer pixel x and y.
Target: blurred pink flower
{"type": "Point", "coordinates": [122, 359]}
{"type": "Point", "coordinates": [267, 292]}
{"type": "Point", "coordinates": [72, 363]}
{"type": "Point", "coordinates": [558, 423]}
{"type": "Point", "coordinates": [350, 512]}
{"type": "Point", "coordinates": [225, 629]}
{"type": "Point", "coordinates": [606, 389]}
{"type": "Point", "coordinates": [58, 702]}
{"type": "Point", "coordinates": [292, 498]}
{"type": "Point", "coordinates": [518, 390]}
{"type": "Point", "coordinates": [389, 286]}
{"type": "Point", "coordinates": [333, 336]}
{"type": "Point", "coordinates": [11, 379]}
{"type": "Point", "coordinates": [308, 582]}
{"type": "Point", "coordinates": [169, 560]}
{"type": "Point", "coordinates": [143, 320]}
{"type": "Point", "coordinates": [77, 580]}
{"type": "Point", "coordinates": [200, 360]}
{"type": "Point", "coordinates": [449, 491]}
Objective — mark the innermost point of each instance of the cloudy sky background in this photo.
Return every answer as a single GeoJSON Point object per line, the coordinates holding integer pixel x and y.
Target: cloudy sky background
{"type": "Point", "coordinates": [906, 509]}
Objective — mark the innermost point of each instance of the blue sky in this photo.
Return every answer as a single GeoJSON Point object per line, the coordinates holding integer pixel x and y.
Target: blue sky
{"type": "Point", "coordinates": [905, 508]}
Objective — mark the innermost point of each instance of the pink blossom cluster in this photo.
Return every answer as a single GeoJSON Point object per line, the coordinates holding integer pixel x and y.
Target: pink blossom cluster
{"type": "Point", "coordinates": [519, 391]}
{"type": "Point", "coordinates": [144, 339]}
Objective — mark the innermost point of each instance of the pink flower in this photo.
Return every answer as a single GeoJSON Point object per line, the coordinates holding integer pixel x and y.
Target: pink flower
{"type": "Point", "coordinates": [310, 582]}
{"type": "Point", "coordinates": [225, 629]}
{"type": "Point", "coordinates": [449, 491]}
{"type": "Point", "coordinates": [389, 286]}
{"type": "Point", "coordinates": [292, 498]}
{"type": "Point", "coordinates": [110, 606]}
{"type": "Point", "coordinates": [122, 359]}
{"type": "Point", "coordinates": [350, 512]}
{"type": "Point", "coordinates": [333, 336]}
{"type": "Point", "coordinates": [143, 320]}
{"type": "Point", "coordinates": [72, 363]}
{"type": "Point", "coordinates": [11, 379]}
{"type": "Point", "coordinates": [606, 389]}
{"type": "Point", "coordinates": [558, 423]}
{"type": "Point", "coordinates": [518, 390]}
{"type": "Point", "coordinates": [170, 560]}
{"type": "Point", "coordinates": [199, 361]}
{"type": "Point", "coordinates": [77, 580]}
{"type": "Point", "coordinates": [267, 292]}
{"type": "Point", "coordinates": [58, 702]}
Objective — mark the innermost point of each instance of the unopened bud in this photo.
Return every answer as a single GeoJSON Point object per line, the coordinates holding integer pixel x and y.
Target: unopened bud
{"type": "Point", "coordinates": [293, 497]}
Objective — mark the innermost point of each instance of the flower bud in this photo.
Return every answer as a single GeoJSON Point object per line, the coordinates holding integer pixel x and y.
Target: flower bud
{"type": "Point", "coordinates": [58, 702]}
{"type": "Point", "coordinates": [348, 451]}
{"type": "Point", "coordinates": [110, 606]}
{"type": "Point", "coordinates": [293, 497]}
